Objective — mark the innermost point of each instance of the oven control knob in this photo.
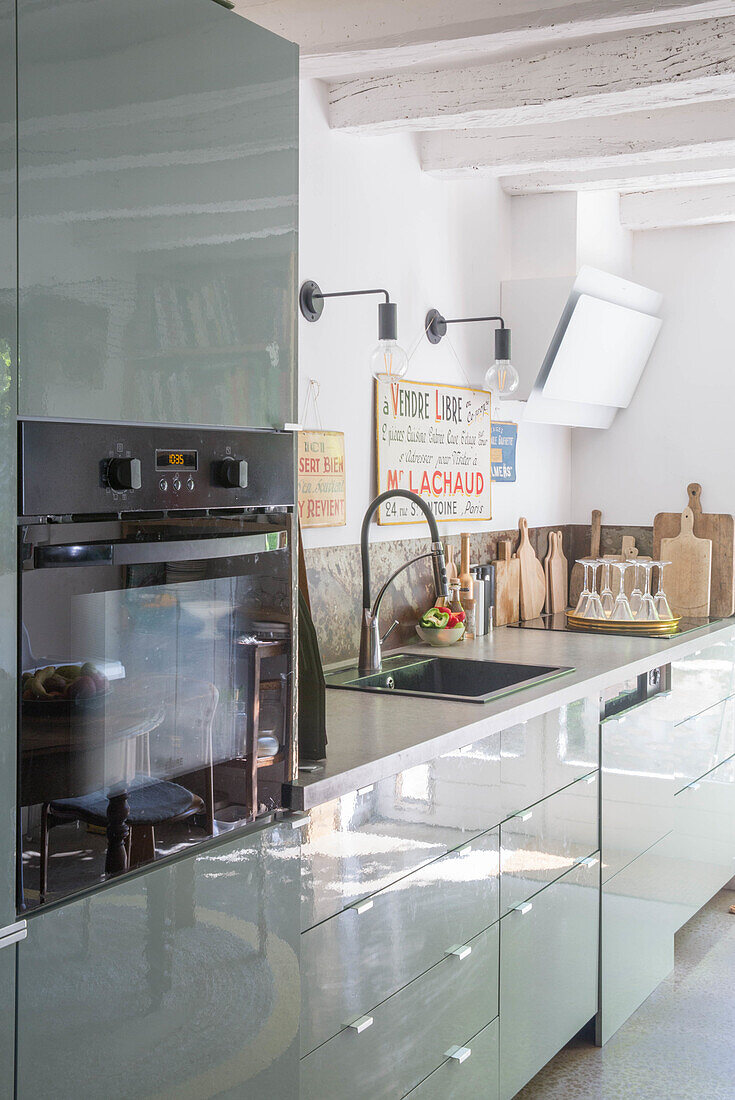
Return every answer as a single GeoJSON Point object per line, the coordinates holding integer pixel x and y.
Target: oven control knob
{"type": "Point", "coordinates": [124, 473]}
{"type": "Point", "coordinates": [233, 473]}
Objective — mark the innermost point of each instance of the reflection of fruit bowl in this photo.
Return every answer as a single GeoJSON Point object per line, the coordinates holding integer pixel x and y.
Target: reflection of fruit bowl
{"type": "Point", "coordinates": [64, 689]}
{"type": "Point", "coordinates": [440, 636]}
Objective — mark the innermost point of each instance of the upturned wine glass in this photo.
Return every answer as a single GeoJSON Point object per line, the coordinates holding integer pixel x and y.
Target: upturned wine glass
{"type": "Point", "coordinates": [585, 594]}
{"type": "Point", "coordinates": [594, 608]}
{"type": "Point", "coordinates": [637, 593]}
{"type": "Point", "coordinates": [621, 611]}
{"type": "Point", "coordinates": [660, 601]}
{"type": "Point", "coordinates": [606, 597]}
{"type": "Point", "coordinates": [647, 612]}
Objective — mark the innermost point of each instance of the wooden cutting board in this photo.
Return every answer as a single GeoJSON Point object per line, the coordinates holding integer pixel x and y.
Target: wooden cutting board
{"type": "Point", "coordinates": [533, 582]}
{"type": "Point", "coordinates": [717, 526]}
{"type": "Point", "coordinates": [687, 579]}
{"type": "Point", "coordinates": [577, 578]}
{"type": "Point", "coordinates": [556, 573]}
{"type": "Point", "coordinates": [507, 585]}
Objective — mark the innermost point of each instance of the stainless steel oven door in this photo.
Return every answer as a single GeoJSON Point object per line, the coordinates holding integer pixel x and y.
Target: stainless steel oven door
{"type": "Point", "coordinates": [157, 687]}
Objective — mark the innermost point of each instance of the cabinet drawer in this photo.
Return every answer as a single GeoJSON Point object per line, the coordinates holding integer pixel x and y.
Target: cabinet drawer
{"type": "Point", "coordinates": [472, 1072]}
{"type": "Point", "coordinates": [547, 753]}
{"type": "Point", "coordinates": [539, 844]}
{"type": "Point", "coordinates": [364, 841]}
{"type": "Point", "coordinates": [357, 958]}
{"type": "Point", "coordinates": [702, 844]}
{"type": "Point", "coordinates": [703, 742]}
{"type": "Point", "coordinates": [548, 974]}
{"type": "Point", "coordinates": [639, 918]}
{"type": "Point", "coordinates": [399, 1043]}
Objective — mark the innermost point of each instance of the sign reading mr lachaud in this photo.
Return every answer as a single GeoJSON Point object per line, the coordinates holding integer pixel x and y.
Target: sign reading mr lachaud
{"type": "Point", "coordinates": [435, 441]}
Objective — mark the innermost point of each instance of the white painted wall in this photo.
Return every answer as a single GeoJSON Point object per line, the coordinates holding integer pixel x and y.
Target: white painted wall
{"type": "Point", "coordinates": [679, 426]}
{"type": "Point", "coordinates": [370, 217]}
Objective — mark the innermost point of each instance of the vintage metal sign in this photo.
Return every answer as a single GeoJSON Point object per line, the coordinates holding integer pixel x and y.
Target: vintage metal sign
{"type": "Point", "coordinates": [435, 441]}
{"type": "Point", "coordinates": [321, 479]}
{"type": "Point", "coordinates": [504, 439]}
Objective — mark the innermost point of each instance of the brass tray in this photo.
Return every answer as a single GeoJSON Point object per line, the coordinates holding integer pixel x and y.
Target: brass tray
{"type": "Point", "coordinates": [663, 628]}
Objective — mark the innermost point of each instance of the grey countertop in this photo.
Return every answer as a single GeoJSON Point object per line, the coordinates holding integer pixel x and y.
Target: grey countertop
{"type": "Point", "coordinates": [372, 737]}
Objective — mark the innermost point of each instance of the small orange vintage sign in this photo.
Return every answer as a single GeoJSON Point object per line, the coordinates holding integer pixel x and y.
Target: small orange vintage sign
{"type": "Point", "coordinates": [321, 479]}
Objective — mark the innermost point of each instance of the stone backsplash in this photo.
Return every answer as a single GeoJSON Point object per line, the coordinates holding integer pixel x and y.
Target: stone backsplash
{"type": "Point", "coordinates": [335, 578]}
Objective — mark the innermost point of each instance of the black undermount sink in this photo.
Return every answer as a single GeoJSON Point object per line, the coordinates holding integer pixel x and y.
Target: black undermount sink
{"type": "Point", "coordinates": [444, 677]}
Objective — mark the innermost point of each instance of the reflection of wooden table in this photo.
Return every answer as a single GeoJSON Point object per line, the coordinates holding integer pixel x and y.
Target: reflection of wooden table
{"type": "Point", "coordinates": [91, 747]}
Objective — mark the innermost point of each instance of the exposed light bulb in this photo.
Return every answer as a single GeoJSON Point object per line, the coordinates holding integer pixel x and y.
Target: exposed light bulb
{"type": "Point", "coordinates": [388, 361]}
{"type": "Point", "coordinates": [502, 379]}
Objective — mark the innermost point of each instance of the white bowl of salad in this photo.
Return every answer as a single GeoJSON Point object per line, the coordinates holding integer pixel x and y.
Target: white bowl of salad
{"type": "Point", "coordinates": [440, 626]}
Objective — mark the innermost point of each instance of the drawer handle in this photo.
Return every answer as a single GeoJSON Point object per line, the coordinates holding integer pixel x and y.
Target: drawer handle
{"type": "Point", "coordinates": [526, 907]}
{"type": "Point", "coordinates": [363, 906]}
{"type": "Point", "coordinates": [458, 1054]}
{"type": "Point", "coordinates": [694, 786]}
{"type": "Point", "coordinates": [590, 861]}
{"type": "Point", "coordinates": [590, 779]}
{"type": "Point", "coordinates": [366, 790]}
{"type": "Point", "coordinates": [525, 816]}
{"type": "Point", "coordinates": [361, 1024]}
{"type": "Point", "coordinates": [460, 951]}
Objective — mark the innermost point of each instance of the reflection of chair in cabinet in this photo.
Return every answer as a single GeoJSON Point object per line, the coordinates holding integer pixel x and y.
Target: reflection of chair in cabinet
{"type": "Point", "coordinates": [182, 738]}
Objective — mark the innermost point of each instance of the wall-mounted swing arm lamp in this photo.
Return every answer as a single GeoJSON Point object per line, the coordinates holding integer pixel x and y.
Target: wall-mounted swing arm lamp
{"type": "Point", "coordinates": [502, 378]}
{"type": "Point", "coordinates": [388, 360]}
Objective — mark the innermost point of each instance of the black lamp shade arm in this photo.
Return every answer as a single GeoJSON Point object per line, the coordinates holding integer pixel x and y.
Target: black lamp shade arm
{"type": "Point", "coordinates": [436, 329]}
{"type": "Point", "coordinates": [311, 304]}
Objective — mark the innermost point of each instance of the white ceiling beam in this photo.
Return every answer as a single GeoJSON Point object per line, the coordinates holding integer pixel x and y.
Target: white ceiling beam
{"type": "Point", "coordinates": [690, 63]}
{"type": "Point", "coordinates": [678, 206]}
{"type": "Point", "coordinates": [340, 40]}
{"type": "Point", "coordinates": [636, 137]}
{"type": "Point", "coordinates": [625, 178]}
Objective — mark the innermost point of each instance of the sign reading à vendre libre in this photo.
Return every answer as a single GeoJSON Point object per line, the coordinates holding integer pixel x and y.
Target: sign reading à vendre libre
{"type": "Point", "coordinates": [435, 441]}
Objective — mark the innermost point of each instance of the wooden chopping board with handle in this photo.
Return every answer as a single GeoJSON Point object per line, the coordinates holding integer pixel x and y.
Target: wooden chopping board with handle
{"type": "Point", "coordinates": [533, 582]}
{"type": "Point", "coordinates": [555, 570]}
{"type": "Point", "coordinates": [687, 579]}
{"type": "Point", "coordinates": [717, 526]}
{"type": "Point", "coordinates": [577, 577]}
{"type": "Point", "coordinates": [507, 585]}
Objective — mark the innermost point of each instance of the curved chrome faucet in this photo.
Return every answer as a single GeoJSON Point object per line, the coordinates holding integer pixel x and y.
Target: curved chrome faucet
{"type": "Point", "coordinates": [370, 641]}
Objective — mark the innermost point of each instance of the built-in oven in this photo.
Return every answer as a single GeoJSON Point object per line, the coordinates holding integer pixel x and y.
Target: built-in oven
{"type": "Point", "coordinates": [156, 644]}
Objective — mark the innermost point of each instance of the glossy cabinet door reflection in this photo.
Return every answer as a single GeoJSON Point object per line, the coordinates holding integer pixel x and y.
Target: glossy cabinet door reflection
{"type": "Point", "coordinates": [7, 1021]}
{"type": "Point", "coordinates": [182, 982]}
{"type": "Point", "coordinates": [158, 195]}
{"type": "Point", "coordinates": [470, 1071]}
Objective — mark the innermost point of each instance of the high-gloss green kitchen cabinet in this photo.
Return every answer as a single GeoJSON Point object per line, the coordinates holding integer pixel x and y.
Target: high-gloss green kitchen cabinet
{"type": "Point", "coordinates": [539, 843]}
{"type": "Point", "coordinates": [638, 786]}
{"type": "Point", "coordinates": [182, 981]}
{"type": "Point", "coordinates": [540, 756]}
{"type": "Point", "coordinates": [702, 844]}
{"type": "Point", "coordinates": [470, 1071]}
{"type": "Point", "coordinates": [158, 214]}
{"type": "Point", "coordinates": [361, 842]}
{"type": "Point", "coordinates": [392, 1049]}
{"type": "Point", "coordinates": [701, 679]}
{"type": "Point", "coordinates": [639, 916]}
{"type": "Point", "coordinates": [703, 742]}
{"type": "Point", "coordinates": [356, 959]}
{"type": "Point", "coordinates": [548, 973]}
{"type": "Point", "coordinates": [7, 1022]}
{"type": "Point", "coordinates": [8, 490]}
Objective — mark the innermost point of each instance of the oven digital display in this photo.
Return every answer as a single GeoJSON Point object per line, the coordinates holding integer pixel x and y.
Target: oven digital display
{"type": "Point", "coordinates": [176, 460]}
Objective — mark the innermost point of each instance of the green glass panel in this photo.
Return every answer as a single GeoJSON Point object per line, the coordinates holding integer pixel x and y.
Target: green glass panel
{"type": "Point", "coordinates": [158, 181]}
{"type": "Point", "coordinates": [181, 982]}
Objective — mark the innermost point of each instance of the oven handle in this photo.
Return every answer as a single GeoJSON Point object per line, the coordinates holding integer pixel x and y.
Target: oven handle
{"type": "Point", "coordinates": [149, 553]}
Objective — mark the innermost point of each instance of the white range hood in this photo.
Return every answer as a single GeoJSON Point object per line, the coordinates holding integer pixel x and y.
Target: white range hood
{"type": "Point", "coordinates": [580, 345]}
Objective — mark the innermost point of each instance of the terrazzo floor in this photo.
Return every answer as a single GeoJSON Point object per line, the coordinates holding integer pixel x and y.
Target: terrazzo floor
{"type": "Point", "coordinates": [679, 1045]}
